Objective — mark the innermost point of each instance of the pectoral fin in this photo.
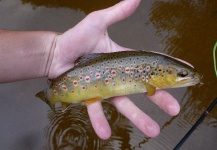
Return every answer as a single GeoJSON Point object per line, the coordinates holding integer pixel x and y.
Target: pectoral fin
{"type": "Point", "coordinates": [91, 101]}
{"type": "Point", "coordinates": [150, 89]}
{"type": "Point", "coordinates": [43, 96]}
{"type": "Point", "coordinates": [65, 106]}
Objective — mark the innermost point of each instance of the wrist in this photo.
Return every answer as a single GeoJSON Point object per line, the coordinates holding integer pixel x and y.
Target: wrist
{"type": "Point", "coordinates": [25, 55]}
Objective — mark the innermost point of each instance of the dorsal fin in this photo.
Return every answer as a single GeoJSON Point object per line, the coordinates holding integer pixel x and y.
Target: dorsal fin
{"type": "Point", "coordinates": [49, 81]}
{"type": "Point", "coordinates": [86, 58]}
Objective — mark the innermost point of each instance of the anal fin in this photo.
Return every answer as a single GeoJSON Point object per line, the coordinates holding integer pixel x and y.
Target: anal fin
{"type": "Point", "coordinates": [65, 105]}
{"type": "Point", "coordinates": [91, 101]}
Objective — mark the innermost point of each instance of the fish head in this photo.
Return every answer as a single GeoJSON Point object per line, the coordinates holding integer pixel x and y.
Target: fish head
{"type": "Point", "coordinates": [172, 73]}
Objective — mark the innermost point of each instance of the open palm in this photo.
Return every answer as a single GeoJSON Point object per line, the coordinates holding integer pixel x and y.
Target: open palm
{"type": "Point", "coordinates": [90, 36]}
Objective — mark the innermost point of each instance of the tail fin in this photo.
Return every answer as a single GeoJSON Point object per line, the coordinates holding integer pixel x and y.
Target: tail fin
{"type": "Point", "coordinates": [43, 95]}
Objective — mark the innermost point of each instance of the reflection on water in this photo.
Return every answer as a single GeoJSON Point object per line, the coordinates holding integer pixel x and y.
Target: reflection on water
{"type": "Point", "coordinates": [189, 31]}
{"type": "Point", "coordinates": [72, 129]}
{"type": "Point", "coordinates": [86, 6]}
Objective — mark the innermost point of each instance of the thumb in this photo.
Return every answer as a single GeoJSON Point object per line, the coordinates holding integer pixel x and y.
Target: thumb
{"type": "Point", "coordinates": [117, 12]}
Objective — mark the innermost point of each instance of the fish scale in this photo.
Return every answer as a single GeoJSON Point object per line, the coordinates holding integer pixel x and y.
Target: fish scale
{"type": "Point", "coordinates": [104, 75]}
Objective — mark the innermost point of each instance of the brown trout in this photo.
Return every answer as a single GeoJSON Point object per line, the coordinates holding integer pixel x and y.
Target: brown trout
{"type": "Point", "coordinates": [103, 75]}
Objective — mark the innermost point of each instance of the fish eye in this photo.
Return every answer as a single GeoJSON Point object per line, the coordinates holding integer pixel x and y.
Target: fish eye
{"type": "Point", "coordinates": [183, 73]}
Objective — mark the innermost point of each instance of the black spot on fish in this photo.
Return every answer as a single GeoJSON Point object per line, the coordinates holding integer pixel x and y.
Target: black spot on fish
{"type": "Point", "coordinates": [153, 73]}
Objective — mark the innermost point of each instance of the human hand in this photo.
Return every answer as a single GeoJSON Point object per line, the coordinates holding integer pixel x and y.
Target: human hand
{"type": "Point", "coordinates": [90, 36]}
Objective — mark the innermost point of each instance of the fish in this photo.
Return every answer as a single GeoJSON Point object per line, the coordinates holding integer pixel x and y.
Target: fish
{"type": "Point", "coordinates": [99, 76]}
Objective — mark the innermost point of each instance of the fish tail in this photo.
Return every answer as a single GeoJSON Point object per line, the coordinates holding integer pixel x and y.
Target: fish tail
{"type": "Point", "coordinates": [44, 96]}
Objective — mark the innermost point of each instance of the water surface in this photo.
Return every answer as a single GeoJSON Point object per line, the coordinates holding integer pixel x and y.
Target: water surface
{"type": "Point", "coordinates": [184, 29]}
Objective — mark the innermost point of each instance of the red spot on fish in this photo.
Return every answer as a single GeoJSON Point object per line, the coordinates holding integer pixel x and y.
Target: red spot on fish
{"type": "Point", "coordinates": [75, 83]}
{"type": "Point", "coordinates": [69, 77]}
{"type": "Point", "coordinates": [106, 80]}
{"type": "Point", "coordinates": [113, 84]}
{"type": "Point", "coordinates": [120, 67]}
{"type": "Point", "coordinates": [55, 92]}
{"type": "Point", "coordinates": [136, 77]}
{"type": "Point", "coordinates": [97, 75]}
{"type": "Point", "coordinates": [96, 86]}
{"type": "Point", "coordinates": [91, 72]}
{"type": "Point", "coordinates": [64, 78]}
{"type": "Point", "coordinates": [113, 72]}
{"type": "Point", "coordinates": [73, 91]}
{"type": "Point", "coordinates": [81, 78]}
{"type": "Point", "coordinates": [64, 87]}
{"type": "Point", "coordinates": [147, 68]}
{"type": "Point", "coordinates": [130, 80]}
{"type": "Point", "coordinates": [81, 71]}
{"type": "Point", "coordinates": [87, 78]}
{"type": "Point", "coordinates": [107, 69]}
{"type": "Point", "coordinates": [83, 87]}
{"type": "Point", "coordinates": [56, 85]}
{"type": "Point", "coordinates": [140, 69]}
{"type": "Point", "coordinates": [127, 70]}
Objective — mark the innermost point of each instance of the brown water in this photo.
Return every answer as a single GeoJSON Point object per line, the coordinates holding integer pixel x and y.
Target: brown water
{"type": "Point", "coordinates": [184, 29]}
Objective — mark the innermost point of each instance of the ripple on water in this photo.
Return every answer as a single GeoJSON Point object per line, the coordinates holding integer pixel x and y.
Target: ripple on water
{"type": "Point", "coordinates": [72, 129]}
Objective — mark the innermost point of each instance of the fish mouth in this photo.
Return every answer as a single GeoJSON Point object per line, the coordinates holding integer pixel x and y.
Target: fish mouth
{"type": "Point", "coordinates": [189, 81]}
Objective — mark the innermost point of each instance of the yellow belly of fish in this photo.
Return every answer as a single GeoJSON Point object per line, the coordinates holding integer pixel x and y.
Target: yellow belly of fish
{"type": "Point", "coordinates": [102, 91]}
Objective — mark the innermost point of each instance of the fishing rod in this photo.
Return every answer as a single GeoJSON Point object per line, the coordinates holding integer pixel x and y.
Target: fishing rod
{"type": "Point", "coordinates": [205, 113]}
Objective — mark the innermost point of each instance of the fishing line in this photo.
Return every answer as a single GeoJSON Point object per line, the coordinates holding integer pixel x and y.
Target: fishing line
{"type": "Point", "coordinates": [214, 58]}
{"type": "Point", "coordinates": [206, 112]}
{"type": "Point", "coordinates": [202, 117]}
